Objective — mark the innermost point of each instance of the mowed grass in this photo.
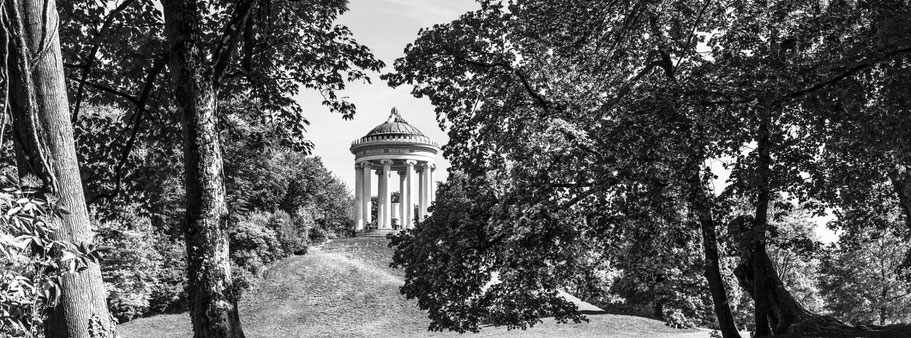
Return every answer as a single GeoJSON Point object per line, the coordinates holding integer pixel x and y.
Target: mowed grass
{"type": "Point", "coordinates": [346, 289]}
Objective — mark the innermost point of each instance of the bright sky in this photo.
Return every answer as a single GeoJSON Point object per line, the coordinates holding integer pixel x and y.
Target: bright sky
{"type": "Point", "coordinates": [385, 26]}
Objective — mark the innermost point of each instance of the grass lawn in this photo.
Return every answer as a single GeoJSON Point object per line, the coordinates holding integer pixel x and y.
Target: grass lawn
{"type": "Point", "coordinates": [346, 289]}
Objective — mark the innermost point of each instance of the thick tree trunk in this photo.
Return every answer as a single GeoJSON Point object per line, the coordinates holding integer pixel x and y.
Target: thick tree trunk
{"type": "Point", "coordinates": [703, 212]}
{"type": "Point", "coordinates": [784, 310]}
{"type": "Point", "coordinates": [760, 220]}
{"type": "Point", "coordinates": [212, 297]}
{"type": "Point", "coordinates": [43, 137]}
{"type": "Point", "coordinates": [786, 314]}
{"type": "Point", "coordinates": [777, 312]}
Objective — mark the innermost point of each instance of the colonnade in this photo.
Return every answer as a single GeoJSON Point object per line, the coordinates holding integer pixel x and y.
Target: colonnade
{"type": "Point", "coordinates": [413, 175]}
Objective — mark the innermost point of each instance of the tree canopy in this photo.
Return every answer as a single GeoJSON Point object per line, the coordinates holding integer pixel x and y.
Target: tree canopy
{"type": "Point", "coordinates": [592, 121]}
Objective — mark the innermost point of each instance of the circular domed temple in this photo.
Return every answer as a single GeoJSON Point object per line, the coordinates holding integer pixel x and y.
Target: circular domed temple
{"type": "Point", "coordinates": [393, 147]}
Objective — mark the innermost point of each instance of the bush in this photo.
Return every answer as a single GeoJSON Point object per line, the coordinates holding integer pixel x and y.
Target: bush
{"type": "Point", "coordinates": [31, 261]}
{"type": "Point", "coordinates": [169, 292]}
{"type": "Point", "coordinates": [261, 238]}
{"type": "Point", "coordinates": [254, 244]}
{"type": "Point", "coordinates": [318, 235]}
{"type": "Point", "coordinates": [295, 234]}
{"type": "Point", "coordinates": [144, 272]}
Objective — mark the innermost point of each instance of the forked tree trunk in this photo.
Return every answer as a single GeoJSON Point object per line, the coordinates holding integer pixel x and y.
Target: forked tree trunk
{"type": "Point", "coordinates": [212, 296]}
{"type": "Point", "coordinates": [784, 310]}
{"type": "Point", "coordinates": [703, 212]}
{"type": "Point", "coordinates": [776, 310]}
{"type": "Point", "coordinates": [43, 138]}
{"type": "Point", "coordinates": [786, 314]}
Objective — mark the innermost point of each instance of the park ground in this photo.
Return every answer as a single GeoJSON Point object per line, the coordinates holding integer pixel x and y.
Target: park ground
{"type": "Point", "coordinates": [345, 288]}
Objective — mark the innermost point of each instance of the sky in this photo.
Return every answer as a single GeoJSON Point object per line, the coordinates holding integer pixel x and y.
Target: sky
{"type": "Point", "coordinates": [385, 26]}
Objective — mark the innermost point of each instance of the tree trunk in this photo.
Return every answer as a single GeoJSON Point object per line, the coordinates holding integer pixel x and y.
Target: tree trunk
{"type": "Point", "coordinates": [777, 312]}
{"type": "Point", "coordinates": [658, 310]}
{"type": "Point", "coordinates": [784, 310]}
{"type": "Point", "coordinates": [43, 137]}
{"type": "Point", "coordinates": [703, 212]}
{"type": "Point", "coordinates": [760, 220]}
{"type": "Point", "coordinates": [212, 297]}
{"type": "Point", "coordinates": [901, 183]}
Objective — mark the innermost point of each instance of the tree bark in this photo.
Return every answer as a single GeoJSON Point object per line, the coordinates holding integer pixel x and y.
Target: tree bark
{"type": "Point", "coordinates": [212, 296]}
{"type": "Point", "coordinates": [901, 183]}
{"type": "Point", "coordinates": [43, 137]}
{"type": "Point", "coordinates": [703, 212]}
{"type": "Point", "coordinates": [777, 312]}
{"type": "Point", "coordinates": [783, 310]}
{"type": "Point", "coordinates": [760, 220]}
{"type": "Point", "coordinates": [786, 314]}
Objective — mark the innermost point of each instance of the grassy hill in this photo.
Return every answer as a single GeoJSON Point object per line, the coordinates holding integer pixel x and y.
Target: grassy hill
{"type": "Point", "coordinates": [346, 289]}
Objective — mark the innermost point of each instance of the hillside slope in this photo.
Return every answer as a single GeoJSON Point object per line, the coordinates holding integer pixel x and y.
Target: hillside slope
{"type": "Point", "coordinates": [346, 289]}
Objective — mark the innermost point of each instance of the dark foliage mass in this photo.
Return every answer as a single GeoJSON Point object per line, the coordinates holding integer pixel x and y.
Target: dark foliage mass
{"type": "Point", "coordinates": [599, 128]}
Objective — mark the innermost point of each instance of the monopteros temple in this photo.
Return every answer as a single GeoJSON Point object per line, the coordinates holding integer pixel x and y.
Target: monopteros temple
{"type": "Point", "coordinates": [393, 147]}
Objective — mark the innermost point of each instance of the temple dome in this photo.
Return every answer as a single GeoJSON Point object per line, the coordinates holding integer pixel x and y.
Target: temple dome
{"type": "Point", "coordinates": [394, 130]}
{"type": "Point", "coordinates": [395, 125]}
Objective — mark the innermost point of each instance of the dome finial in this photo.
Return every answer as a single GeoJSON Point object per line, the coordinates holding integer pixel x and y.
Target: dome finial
{"type": "Point", "coordinates": [394, 115]}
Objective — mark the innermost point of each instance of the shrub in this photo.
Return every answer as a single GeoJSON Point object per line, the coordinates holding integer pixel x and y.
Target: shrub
{"type": "Point", "coordinates": [254, 243]}
{"type": "Point", "coordinates": [318, 235]}
{"type": "Point", "coordinates": [32, 261]}
{"type": "Point", "coordinates": [144, 270]}
{"type": "Point", "coordinates": [295, 234]}
{"type": "Point", "coordinates": [169, 292]}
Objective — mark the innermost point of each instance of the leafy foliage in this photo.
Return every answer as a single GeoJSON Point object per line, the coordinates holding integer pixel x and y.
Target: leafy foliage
{"type": "Point", "coordinates": [460, 268]}
{"type": "Point", "coordinates": [280, 201]}
{"type": "Point", "coordinates": [144, 269]}
{"type": "Point", "coordinates": [32, 260]}
{"type": "Point", "coordinates": [596, 115]}
{"type": "Point", "coordinates": [861, 284]}
{"type": "Point", "coordinates": [861, 277]}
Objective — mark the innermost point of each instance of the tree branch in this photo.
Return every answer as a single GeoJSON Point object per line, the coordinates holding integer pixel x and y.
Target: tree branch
{"type": "Point", "coordinates": [89, 59]}
{"type": "Point", "coordinates": [525, 84]}
{"type": "Point", "coordinates": [850, 71]}
{"type": "Point", "coordinates": [110, 90]}
{"type": "Point", "coordinates": [156, 69]}
{"type": "Point", "coordinates": [854, 69]}
{"type": "Point", "coordinates": [230, 37]}
{"type": "Point", "coordinates": [689, 40]}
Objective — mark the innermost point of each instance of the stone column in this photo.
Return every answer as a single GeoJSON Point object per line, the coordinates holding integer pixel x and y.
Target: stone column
{"type": "Point", "coordinates": [387, 201]}
{"type": "Point", "coordinates": [366, 194]}
{"type": "Point", "coordinates": [409, 195]}
{"type": "Point", "coordinates": [426, 179]}
{"type": "Point", "coordinates": [433, 184]}
{"type": "Point", "coordinates": [422, 207]}
{"type": "Point", "coordinates": [380, 198]}
{"type": "Point", "coordinates": [358, 197]}
{"type": "Point", "coordinates": [401, 198]}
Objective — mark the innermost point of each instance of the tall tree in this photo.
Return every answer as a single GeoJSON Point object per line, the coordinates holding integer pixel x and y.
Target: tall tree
{"type": "Point", "coordinates": [212, 297]}
{"type": "Point", "coordinates": [198, 69]}
{"type": "Point", "coordinates": [602, 102]}
{"type": "Point", "coordinates": [556, 88]}
{"type": "Point", "coordinates": [214, 51]}
{"type": "Point", "coordinates": [43, 138]}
